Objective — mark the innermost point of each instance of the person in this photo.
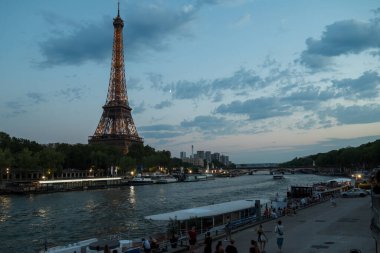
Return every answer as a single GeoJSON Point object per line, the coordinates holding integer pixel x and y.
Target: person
{"type": "Point", "coordinates": [254, 247]}
{"type": "Point", "coordinates": [192, 239]}
{"type": "Point", "coordinates": [333, 201]}
{"type": "Point", "coordinates": [228, 229]}
{"type": "Point", "coordinates": [279, 231]}
{"type": "Point", "coordinates": [261, 238]}
{"type": "Point", "coordinates": [153, 244]}
{"type": "Point", "coordinates": [231, 247]}
{"type": "Point", "coordinates": [146, 245]}
{"type": "Point", "coordinates": [208, 243]}
{"type": "Point", "coordinates": [106, 249]}
{"type": "Point", "coordinates": [219, 247]}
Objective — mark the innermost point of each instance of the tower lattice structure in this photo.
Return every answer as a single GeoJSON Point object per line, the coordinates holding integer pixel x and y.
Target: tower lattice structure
{"type": "Point", "coordinates": [116, 126]}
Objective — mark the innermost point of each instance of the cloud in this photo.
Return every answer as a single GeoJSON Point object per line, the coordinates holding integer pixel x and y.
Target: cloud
{"type": "Point", "coordinates": [241, 79]}
{"type": "Point", "coordinates": [93, 42]}
{"type": "Point", "coordinates": [155, 79]}
{"type": "Point", "coordinates": [341, 38]}
{"type": "Point", "coordinates": [138, 108]}
{"type": "Point", "coordinates": [308, 97]}
{"type": "Point", "coordinates": [70, 94]}
{"type": "Point", "coordinates": [161, 131]}
{"type": "Point", "coordinates": [163, 104]}
{"type": "Point", "coordinates": [210, 125]}
{"type": "Point", "coordinates": [36, 97]}
{"type": "Point", "coordinates": [149, 26]}
{"type": "Point", "coordinates": [15, 107]}
{"type": "Point", "coordinates": [134, 84]}
{"type": "Point", "coordinates": [355, 114]}
{"type": "Point", "coordinates": [365, 86]}
{"type": "Point", "coordinates": [256, 109]}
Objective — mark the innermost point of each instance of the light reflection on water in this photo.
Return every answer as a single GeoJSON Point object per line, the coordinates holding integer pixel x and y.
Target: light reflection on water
{"type": "Point", "coordinates": [62, 218]}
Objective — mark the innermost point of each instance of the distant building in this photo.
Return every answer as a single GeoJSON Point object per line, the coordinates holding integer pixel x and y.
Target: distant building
{"type": "Point", "coordinates": [201, 154]}
{"type": "Point", "coordinates": [215, 156]}
{"type": "Point", "coordinates": [224, 159]}
{"type": "Point", "coordinates": [183, 154]}
{"type": "Point", "coordinates": [194, 161]}
{"type": "Point", "coordinates": [208, 156]}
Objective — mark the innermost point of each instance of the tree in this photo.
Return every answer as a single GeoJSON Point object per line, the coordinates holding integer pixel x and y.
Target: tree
{"type": "Point", "coordinates": [51, 160]}
{"type": "Point", "coordinates": [126, 164]}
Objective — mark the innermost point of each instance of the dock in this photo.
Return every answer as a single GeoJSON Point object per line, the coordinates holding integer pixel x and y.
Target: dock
{"type": "Point", "coordinates": [319, 228]}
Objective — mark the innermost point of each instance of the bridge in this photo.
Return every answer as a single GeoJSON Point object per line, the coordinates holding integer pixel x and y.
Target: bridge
{"type": "Point", "coordinates": [271, 167]}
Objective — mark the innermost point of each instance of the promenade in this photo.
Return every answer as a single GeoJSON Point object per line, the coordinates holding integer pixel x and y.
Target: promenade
{"type": "Point", "coordinates": [320, 228]}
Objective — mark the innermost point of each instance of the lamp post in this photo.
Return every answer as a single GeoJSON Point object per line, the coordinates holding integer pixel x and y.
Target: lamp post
{"type": "Point", "coordinates": [7, 169]}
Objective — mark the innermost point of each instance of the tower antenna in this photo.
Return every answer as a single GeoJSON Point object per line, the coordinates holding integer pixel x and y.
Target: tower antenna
{"type": "Point", "coordinates": [118, 8]}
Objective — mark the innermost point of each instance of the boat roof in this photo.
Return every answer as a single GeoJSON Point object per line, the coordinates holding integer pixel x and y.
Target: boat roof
{"type": "Point", "coordinates": [207, 211]}
{"type": "Point", "coordinates": [340, 180]}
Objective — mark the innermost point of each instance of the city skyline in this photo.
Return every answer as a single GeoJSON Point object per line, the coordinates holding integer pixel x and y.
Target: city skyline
{"type": "Point", "coordinates": [260, 81]}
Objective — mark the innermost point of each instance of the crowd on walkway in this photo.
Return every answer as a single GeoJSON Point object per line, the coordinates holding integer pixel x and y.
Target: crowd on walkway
{"type": "Point", "coordinates": [256, 245]}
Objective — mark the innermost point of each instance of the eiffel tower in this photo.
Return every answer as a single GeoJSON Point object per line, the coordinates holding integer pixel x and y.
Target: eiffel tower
{"type": "Point", "coordinates": [116, 127]}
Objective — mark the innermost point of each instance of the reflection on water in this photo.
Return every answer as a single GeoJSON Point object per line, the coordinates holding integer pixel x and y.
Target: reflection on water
{"type": "Point", "coordinates": [5, 204]}
{"type": "Point", "coordinates": [62, 218]}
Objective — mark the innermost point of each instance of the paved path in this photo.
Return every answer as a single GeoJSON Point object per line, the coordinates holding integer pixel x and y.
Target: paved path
{"type": "Point", "coordinates": [321, 228]}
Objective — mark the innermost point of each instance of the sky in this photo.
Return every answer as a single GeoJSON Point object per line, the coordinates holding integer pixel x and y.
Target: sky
{"type": "Point", "coordinates": [257, 80]}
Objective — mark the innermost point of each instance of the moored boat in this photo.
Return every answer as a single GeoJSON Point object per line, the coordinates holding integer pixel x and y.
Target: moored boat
{"type": "Point", "coordinates": [278, 175]}
{"type": "Point", "coordinates": [141, 180]}
{"type": "Point", "coordinates": [214, 217]}
{"type": "Point", "coordinates": [166, 179]}
{"type": "Point", "coordinates": [94, 245]}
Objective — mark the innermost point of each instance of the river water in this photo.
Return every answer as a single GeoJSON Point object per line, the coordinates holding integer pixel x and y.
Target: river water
{"type": "Point", "coordinates": [62, 218]}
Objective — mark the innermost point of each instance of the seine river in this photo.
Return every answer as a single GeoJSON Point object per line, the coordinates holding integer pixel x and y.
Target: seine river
{"type": "Point", "coordinates": [62, 218]}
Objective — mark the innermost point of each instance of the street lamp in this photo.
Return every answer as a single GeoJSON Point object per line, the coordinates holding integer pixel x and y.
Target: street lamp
{"type": "Point", "coordinates": [7, 173]}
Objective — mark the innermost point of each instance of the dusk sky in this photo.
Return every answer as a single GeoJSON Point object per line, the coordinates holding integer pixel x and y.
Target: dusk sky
{"type": "Point", "coordinates": [257, 80]}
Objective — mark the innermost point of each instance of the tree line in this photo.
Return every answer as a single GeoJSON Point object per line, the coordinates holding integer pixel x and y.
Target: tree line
{"type": "Point", "coordinates": [29, 156]}
{"type": "Point", "coordinates": [366, 156]}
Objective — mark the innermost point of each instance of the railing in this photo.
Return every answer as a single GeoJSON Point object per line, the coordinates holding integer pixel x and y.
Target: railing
{"type": "Point", "coordinates": [375, 221]}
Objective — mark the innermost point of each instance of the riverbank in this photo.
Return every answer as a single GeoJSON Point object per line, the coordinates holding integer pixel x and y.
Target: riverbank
{"type": "Point", "coordinates": [319, 228]}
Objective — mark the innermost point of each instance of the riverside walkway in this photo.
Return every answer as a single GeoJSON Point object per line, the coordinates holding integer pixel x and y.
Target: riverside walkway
{"type": "Point", "coordinates": [320, 228]}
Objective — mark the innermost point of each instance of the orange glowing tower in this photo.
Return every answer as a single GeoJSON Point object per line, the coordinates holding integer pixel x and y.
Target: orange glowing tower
{"type": "Point", "coordinates": [116, 126]}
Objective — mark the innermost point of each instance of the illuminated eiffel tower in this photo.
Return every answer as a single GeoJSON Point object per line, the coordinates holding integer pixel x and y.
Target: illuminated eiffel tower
{"type": "Point", "coordinates": [116, 127]}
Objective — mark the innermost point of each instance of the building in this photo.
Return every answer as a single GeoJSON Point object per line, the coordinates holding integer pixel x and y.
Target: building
{"type": "Point", "coordinates": [201, 154]}
{"type": "Point", "coordinates": [208, 156]}
{"type": "Point", "coordinates": [182, 154]}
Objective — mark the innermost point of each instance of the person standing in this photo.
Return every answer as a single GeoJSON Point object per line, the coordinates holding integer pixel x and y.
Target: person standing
{"type": "Point", "coordinates": [279, 231]}
{"type": "Point", "coordinates": [228, 229]}
{"type": "Point", "coordinates": [208, 243]}
{"type": "Point", "coordinates": [192, 239]}
{"type": "Point", "coordinates": [219, 247]}
{"type": "Point", "coordinates": [146, 245]}
{"type": "Point", "coordinates": [231, 247]}
{"type": "Point", "coordinates": [261, 238]}
{"type": "Point", "coordinates": [254, 247]}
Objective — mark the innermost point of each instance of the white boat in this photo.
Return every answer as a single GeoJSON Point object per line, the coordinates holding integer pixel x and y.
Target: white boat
{"type": "Point", "coordinates": [214, 217]}
{"type": "Point", "coordinates": [210, 176]}
{"type": "Point", "coordinates": [141, 180]}
{"type": "Point", "coordinates": [95, 245]}
{"type": "Point", "coordinates": [166, 179]}
{"type": "Point", "coordinates": [278, 175]}
{"type": "Point", "coordinates": [195, 177]}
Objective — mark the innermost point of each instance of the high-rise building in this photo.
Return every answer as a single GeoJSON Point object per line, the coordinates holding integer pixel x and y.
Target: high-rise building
{"type": "Point", "coordinates": [201, 154]}
{"type": "Point", "coordinates": [182, 154]}
{"type": "Point", "coordinates": [215, 156]}
{"type": "Point", "coordinates": [208, 156]}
